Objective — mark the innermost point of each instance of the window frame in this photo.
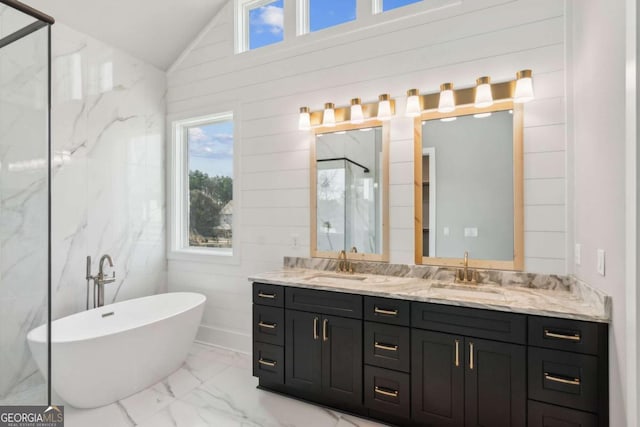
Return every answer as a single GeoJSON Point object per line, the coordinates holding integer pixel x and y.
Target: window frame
{"type": "Point", "coordinates": [242, 22]}
{"type": "Point", "coordinates": [178, 178]}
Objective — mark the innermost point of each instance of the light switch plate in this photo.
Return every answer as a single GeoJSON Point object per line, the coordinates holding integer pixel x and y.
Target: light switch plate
{"type": "Point", "coordinates": [601, 262]}
{"type": "Point", "coordinates": [577, 254]}
{"type": "Point", "coordinates": [445, 231]}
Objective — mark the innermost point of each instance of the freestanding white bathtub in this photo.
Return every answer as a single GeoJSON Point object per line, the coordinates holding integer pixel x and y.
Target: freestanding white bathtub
{"type": "Point", "coordinates": [102, 355]}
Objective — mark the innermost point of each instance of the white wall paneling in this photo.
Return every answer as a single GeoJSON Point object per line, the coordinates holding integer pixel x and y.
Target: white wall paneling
{"type": "Point", "coordinates": [415, 47]}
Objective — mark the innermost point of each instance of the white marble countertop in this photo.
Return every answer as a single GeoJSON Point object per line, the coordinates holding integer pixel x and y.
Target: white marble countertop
{"type": "Point", "coordinates": [579, 303]}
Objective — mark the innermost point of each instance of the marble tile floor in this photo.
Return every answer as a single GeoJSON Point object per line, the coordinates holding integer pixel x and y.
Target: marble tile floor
{"type": "Point", "coordinates": [213, 388]}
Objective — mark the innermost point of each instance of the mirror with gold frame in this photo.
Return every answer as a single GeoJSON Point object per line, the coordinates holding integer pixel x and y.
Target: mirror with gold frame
{"type": "Point", "coordinates": [349, 191]}
{"type": "Point", "coordinates": [468, 186]}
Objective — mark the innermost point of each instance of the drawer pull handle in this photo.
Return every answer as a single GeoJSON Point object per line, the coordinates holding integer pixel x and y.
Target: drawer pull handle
{"type": "Point", "coordinates": [387, 347]}
{"type": "Point", "coordinates": [268, 296]}
{"type": "Point", "coordinates": [270, 363]}
{"type": "Point", "coordinates": [315, 329]}
{"type": "Point", "coordinates": [325, 334]}
{"type": "Point", "coordinates": [379, 310]}
{"type": "Point", "coordinates": [457, 353]}
{"type": "Point", "coordinates": [471, 356]}
{"type": "Point", "coordinates": [574, 337]}
{"type": "Point", "coordinates": [267, 325]}
{"type": "Point", "coordinates": [574, 381]}
{"type": "Point", "coordinates": [386, 392]}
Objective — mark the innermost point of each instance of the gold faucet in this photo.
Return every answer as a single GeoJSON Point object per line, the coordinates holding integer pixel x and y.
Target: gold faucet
{"type": "Point", "coordinates": [462, 275]}
{"type": "Point", "coordinates": [342, 262]}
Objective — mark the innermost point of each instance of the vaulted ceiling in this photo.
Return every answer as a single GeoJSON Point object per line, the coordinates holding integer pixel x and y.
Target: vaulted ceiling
{"type": "Point", "coordinates": [156, 31]}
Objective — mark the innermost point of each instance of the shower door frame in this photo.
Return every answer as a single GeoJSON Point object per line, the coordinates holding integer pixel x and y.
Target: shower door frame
{"type": "Point", "coordinates": [42, 20]}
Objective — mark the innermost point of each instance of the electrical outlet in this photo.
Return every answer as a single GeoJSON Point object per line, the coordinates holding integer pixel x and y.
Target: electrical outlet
{"type": "Point", "coordinates": [471, 232]}
{"type": "Point", "coordinates": [446, 231]}
{"type": "Point", "coordinates": [295, 238]}
{"type": "Point", "coordinates": [577, 254]}
{"type": "Point", "coordinates": [601, 264]}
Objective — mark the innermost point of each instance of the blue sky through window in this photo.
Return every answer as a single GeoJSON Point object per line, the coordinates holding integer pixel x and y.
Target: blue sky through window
{"type": "Point", "coordinates": [393, 4]}
{"type": "Point", "coordinates": [211, 148]}
{"type": "Point", "coordinates": [327, 13]}
{"type": "Point", "coordinates": [266, 24]}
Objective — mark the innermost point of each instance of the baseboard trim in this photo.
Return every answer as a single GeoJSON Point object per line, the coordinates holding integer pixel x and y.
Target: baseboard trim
{"type": "Point", "coordinates": [224, 338]}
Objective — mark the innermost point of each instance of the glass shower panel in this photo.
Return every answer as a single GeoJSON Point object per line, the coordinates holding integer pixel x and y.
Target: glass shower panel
{"type": "Point", "coordinates": [331, 194]}
{"type": "Point", "coordinates": [24, 207]}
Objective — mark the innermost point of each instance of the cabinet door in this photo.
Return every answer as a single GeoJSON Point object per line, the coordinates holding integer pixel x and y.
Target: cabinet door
{"type": "Point", "coordinates": [495, 384]}
{"type": "Point", "coordinates": [342, 360]}
{"type": "Point", "coordinates": [303, 351]}
{"type": "Point", "coordinates": [437, 378]}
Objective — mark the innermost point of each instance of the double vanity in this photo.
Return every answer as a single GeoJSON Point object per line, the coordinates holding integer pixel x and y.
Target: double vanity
{"type": "Point", "coordinates": [419, 349]}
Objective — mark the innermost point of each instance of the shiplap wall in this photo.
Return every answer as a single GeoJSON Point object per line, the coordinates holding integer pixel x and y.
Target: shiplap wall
{"type": "Point", "coordinates": [416, 46]}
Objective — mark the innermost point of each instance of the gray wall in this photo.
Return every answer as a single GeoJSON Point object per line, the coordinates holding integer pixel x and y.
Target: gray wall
{"type": "Point", "coordinates": [474, 185]}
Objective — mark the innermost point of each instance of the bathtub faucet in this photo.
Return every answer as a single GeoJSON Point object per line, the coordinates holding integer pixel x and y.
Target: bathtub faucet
{"type": "Point", "coordinates": [99, 281]}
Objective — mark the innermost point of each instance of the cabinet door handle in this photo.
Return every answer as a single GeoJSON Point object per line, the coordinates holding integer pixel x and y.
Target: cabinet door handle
{"type": "Point", "coordinates": [379, 310]}
{"type": "Point", "coordinates": [267, 325]}
{"type": "Point", "coordinates": [387, 347]}
{"type": "Point", "coordinates": [457, 353]}
{"type": "Point", "coordinates": [325, 334]}
{"type": "Point", "coordinates": [315, 329]}
{"type": "Point", "coordinates": [471, 356]}
{"type": "Point", "coordinates": [559, 336]}
{"type": "Point", "coordinates": [386, 392]}
{"type": "Point", "coordinates": [574, 381]}
{"type": "Point", "coordinates": [268, 296]}
{"type": "Point", "coordinates": [270, 363]}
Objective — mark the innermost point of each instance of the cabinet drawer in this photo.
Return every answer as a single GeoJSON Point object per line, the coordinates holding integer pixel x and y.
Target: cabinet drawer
{"type": "Point", "coordinates": [569, 335]}
{"type": "Point", "coordinates": [264, 294]}
{"type": "Point", "coordinates": [564, 378]}
{"type": "Point", "coordinates": [493, 325]}
{"type": "Point", "coordinates": [324, 302]}
{"type": "Point", "coordinates": [387, 391]}
{"type": "Point", "coordinates": [387, 346]}
{"type": "Point", "coordinates": [268, 324]}
{"type": "Point", "coordinates": [268, 362]}
{"type": "Point", "coordinates": [544, 415]}
{"type": "Point", "coordinates": [387, 310]}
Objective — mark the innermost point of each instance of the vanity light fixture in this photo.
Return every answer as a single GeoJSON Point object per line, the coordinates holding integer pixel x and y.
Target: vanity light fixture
{"type": "Point", "coordinates": [384, 107]}
{"type": "Point", "coordinates": [356, 111]}
{"type": "Point", "coordinates": [447, 101]}
{"type": "Point", "coordinates": [413, 103]}
{"type": "Point", "coordinates": [304, 121]}
{"type": "Point", "coordinates": [524, 87]}
{"type": "Point", "coordinates": [329, 115]}
{"type": "Point", "coordinates": [484, 97]}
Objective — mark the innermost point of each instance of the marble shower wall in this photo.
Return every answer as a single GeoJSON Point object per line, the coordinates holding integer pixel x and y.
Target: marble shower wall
{"type": "Point", "coordinates": [109, 183]}
{"type": "Point", "coordinates": [108, 128]}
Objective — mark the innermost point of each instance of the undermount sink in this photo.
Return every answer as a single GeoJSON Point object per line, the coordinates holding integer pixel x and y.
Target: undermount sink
{"type": "Point", "coordinates": [335, 276]}
{"type": "Point", "coordinates": [469, 291]}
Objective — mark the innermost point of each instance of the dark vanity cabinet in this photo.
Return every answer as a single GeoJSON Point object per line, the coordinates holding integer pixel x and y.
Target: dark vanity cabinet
{"type": "Point", "coordinates": [423, 364]}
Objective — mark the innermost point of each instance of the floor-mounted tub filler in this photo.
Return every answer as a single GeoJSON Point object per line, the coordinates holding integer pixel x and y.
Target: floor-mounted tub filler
{"type": "Point", "coordinates": [102, 355]}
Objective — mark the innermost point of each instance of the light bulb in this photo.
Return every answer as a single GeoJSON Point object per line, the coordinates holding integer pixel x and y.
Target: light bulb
{"type": "Point", "coordinates": [304, 122]}
{"type": "Point", "coordinates": [384, 107]}
{"type": "Point", "coordinates": [524, 87]}
{"type": "Point", "coordinates": [447, 102]}
{"type": "Point", "coordinates": [413, 103]}
{"type": "Point", "coordinates": [484, 97]}
{"type": "Point", "coordinates": [329, 115]}
{"type": "Point", "coordinates": [356, 111]}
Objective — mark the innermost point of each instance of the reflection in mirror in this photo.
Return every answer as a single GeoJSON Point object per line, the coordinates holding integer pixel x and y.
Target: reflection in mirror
{"type": "Point", "coordinates": [349, 191]}
{"type": "Point", "coordinates": [468, 179]}
{"type": "Point", "coordinates": [469, 189]}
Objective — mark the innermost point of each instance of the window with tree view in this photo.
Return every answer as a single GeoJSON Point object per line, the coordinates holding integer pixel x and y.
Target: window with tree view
{"type": "Point", "coordinates": [210, 167]}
